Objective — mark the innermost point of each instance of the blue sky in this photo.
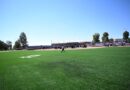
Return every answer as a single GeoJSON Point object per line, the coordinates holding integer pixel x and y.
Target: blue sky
{"type": "Point", "coordinates": [46, 21]}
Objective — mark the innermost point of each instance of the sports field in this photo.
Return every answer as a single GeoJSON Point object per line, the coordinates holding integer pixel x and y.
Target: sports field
{"type": "Point", "coordinates": [86, 69]}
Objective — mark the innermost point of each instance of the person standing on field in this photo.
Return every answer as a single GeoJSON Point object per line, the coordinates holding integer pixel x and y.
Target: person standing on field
{"type": "Point", "coordinates": [62, 49]}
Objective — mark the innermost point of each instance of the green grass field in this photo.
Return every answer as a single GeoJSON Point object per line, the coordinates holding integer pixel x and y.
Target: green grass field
{"type": "Point", "coordinates": [88, 69]}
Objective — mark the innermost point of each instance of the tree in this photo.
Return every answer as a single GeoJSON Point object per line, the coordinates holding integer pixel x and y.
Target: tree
{"type": "Point", "coordinates": [96, 38]}
{"type": "Point", "coordinates": [105, 37]}
{"type": "Point", "coordinates": [111, 40]}
{"type": "Point", "coordinates": [9, 43]}
{"type": "Point", "coordinates": [128, 40]}
{"type": "Point", "coordinates": [23, 40]}
{"type": "Point", "coordinates": [126, 36]}
{"type": "Point", "coordinates": [17, 45]}
{"type": "Point", "coordinates": [3, 46]}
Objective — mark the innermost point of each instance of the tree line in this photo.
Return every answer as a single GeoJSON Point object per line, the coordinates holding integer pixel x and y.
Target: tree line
{"type": "Point", "coordinates": [21, 42]}
{"type": "Point", "coordinates": [105, 37]}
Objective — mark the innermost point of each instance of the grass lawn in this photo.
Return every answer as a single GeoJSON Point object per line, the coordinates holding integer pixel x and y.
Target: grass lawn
{"type": "Point", "coordinates": [88, 69]}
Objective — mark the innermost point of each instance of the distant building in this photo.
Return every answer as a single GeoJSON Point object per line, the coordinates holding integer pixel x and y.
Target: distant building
{"type": "Point", "coordinates": [71, 44]}
{"type": "Point", "coordinates": [118, 40]}
{"type": "Point", "coordinates": [59, 45]}
{"type": "Point", "coordinates": [39, 47]}
{"type": "Point", "coordinates": [66, 45]}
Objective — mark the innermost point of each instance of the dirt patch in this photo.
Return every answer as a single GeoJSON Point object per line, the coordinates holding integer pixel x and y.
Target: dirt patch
{"type": "Point", "coordinates": [30, 56]}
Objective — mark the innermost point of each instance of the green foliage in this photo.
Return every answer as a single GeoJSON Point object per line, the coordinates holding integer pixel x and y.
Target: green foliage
{"type": "Point", "coordinates": [126, 36]}
{"type": "Point", "coordinates": [96, 38]}
{"type": "Point", "coordinates": [90, 69]}
{"type": "Point", "coordinates": [9, 43]}
{"type": "Point", "coordinates": [3, 46]}
{"type": "Point", "coordinates": [23, 40]}
{"type": "Point", "coordinates": [17, 45]}
{"type": "Point", "coordinates": [111, 40]}
{"type": "Point", "coordinates": [21, 43]}
{"type": "Point", "coordinates": [128, 40]}
{"type": "Point", "coordinates": [105, 37]}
